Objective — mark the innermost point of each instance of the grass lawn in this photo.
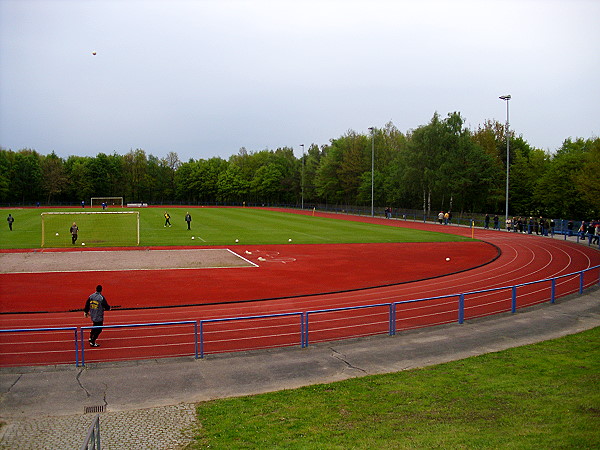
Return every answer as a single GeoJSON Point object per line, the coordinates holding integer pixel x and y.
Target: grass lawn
{"type": "Point", "coordinates": [545, 395]}
{"type": "Point", "coordinates": [210, 226]}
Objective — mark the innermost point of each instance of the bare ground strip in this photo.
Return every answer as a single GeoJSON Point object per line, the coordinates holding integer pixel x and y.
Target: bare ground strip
{"type": "Point", "coordinates": [118, 260]}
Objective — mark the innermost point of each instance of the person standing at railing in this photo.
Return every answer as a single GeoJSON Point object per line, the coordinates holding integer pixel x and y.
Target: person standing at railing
{"type": "Point", "coordinates": [581, 231]}
{"type": "Point", "coordinates": [591, 230]}
{"type": "Point", "coordinates": [95, 306]}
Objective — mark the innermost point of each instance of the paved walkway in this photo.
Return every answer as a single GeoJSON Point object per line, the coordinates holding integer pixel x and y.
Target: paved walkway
{"type": "Point", "coordinates": [150, 404]}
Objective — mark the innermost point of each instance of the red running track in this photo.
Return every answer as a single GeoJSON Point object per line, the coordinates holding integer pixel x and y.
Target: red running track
{"type": "Point", "coordinates": [291, 271]}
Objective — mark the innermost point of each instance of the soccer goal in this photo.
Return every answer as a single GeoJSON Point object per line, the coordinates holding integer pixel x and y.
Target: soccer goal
{"type": "Point", "coordinates": [96, 202]}
{"type": "Point", "coordinates": [98, 229]}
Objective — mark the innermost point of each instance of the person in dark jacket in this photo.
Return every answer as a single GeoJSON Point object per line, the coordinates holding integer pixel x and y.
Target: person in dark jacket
{"type": "Point", "coordinates": [74, 230]}
{"type": "Point", "coordinates": [95, 306]}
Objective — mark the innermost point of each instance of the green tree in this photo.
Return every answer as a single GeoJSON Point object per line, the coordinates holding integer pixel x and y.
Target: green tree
{"type": "Point", "coordinates": [266, 183]}
{"type": "Point", "coordinates": [327, 185]}
{"type": "Point", "coordinates": [6, 162]}
{"type": "Point", "coordinates": [80, 185]}
{"type": "Point", "coordinates": [204, 178]}
{"type": "Point", "coordinates": [558, 192]}
{"type": "Point", "coordinates": [231, 185]}
{"type": "Point", "coordinates": [54, 178]}
{"type": "Point", "coordinates": [138, 181]}
{"type": "Point", "coordinates": [426, 152]}
{"type": "Point", "coordinates": [588, 178]}
{"type": "Point", "coordinates": [183, 182]}
{"type": "Point", "coordinates": [527, 171]}
{"type": "Point", "coordinates": [312, 160]}
{"type": "Point", "coordinates": [26, 176]}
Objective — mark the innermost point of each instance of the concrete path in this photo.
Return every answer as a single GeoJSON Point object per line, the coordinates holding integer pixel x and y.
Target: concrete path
{"type": "Point", "coordinates": [150, 404]}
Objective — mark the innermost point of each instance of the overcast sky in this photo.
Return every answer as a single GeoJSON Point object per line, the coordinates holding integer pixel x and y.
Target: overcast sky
{"type": "Point", "coordinates": [204, 78]}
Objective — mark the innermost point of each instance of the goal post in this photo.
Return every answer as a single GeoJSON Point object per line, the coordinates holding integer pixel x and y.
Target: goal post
{"type": "Point", "coordinates": [96, 202]}
{"type": "Point", "coordinates": [96, 228]}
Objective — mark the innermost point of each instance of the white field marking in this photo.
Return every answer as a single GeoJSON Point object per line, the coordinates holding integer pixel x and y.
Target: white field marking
{"type": "Point", "coordinates": [240, 256]}
{"type": "Point", "coordinates": [199, 237]}
{"type": "Point", "coordinates": [312, 235]}
{"type": "Point", "coordinates": [141, 270]}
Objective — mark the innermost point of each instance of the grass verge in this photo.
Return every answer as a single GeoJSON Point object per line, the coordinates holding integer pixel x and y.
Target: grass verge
{"type": "Point", "coordinates": [545, 395]}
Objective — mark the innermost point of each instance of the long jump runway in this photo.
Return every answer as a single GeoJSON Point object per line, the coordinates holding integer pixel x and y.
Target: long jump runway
{"type": "Point", "coordinates": [292, 278]}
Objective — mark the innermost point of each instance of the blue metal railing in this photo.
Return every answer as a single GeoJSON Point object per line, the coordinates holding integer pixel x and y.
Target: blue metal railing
{"type": "Point", "coordinates": [304, 317]}
{"type": "Point", "coordinates": [138, 325]}
{"type": "Point", "coordinates": [265, 316]}
{"type": "Point", "coordinates": [34, 330]}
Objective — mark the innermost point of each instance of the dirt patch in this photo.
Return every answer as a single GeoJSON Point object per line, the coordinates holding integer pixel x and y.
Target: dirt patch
{"type": "Point", "coordinates": [111, 260]}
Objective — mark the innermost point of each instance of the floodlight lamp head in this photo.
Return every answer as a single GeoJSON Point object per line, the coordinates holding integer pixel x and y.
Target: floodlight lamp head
{"type": "Point", "coordinates": [371, 129]}
{"type": "Point", "coordinates": [505, 97]}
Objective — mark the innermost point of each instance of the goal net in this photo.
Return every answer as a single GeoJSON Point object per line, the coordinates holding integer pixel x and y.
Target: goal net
{"type": "Point", "coordinates": [97, 229]}
{"type": "Point", "coordinates": [96, 202]}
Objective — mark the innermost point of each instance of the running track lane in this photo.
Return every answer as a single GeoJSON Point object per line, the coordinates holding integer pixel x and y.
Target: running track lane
{"type": "Point", "coordinates": [524, 258]}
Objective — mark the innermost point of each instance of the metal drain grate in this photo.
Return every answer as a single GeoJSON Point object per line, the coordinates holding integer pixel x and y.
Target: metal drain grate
{"type": "Point", "coordinates": [94, 409]}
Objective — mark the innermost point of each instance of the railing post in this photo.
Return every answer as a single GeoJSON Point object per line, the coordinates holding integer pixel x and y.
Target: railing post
{"type": "Point", "coordinates": [201, 339]}
{"type": "Point", "coordinates": [514, 299]}
{"type": "Point", "coordinates": [196, 340]}
{"type": "Point", "coordinates": [82, 349]}
{"type": "Point", "coordinates": [392, 318]}
{"type": "Point", "coordinates": [581, 282]}
{"type": "Point", "coordinates": [301, 330]}
{"type": "Point", "coordinates": [552, 290]}
{"type": "Point", "coordinates": [306, 331]}
{"type": "Point", "coordinates": [461, 308]}
{"type": "Point", "coordinates": [76, 349]}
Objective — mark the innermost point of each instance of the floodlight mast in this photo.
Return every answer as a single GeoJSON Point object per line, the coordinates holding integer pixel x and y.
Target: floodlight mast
{"type": "Point", "coordinates": [372, 130]}
{"type": "Point", "coordinates": [506, 98]}
{"type": "Point", "coordinates": [302, 180]}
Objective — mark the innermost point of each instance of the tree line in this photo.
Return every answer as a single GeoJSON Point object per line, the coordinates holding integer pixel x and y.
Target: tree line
{"type": "Point", "coordinates": [442, 165]}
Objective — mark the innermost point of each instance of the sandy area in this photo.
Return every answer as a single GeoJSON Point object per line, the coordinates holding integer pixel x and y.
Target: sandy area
{"type": "Point", "coordinates": [110, 260]}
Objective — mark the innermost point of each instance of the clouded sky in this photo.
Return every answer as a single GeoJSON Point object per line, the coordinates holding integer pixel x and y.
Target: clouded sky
{"type": "Point", "coordinates": [204, 78]}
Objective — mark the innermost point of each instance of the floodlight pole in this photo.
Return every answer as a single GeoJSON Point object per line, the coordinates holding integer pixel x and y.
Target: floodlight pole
{"type": "Point", "coordinates": [372, 130]}
{"type": "Point", "coordinates": [302, 177]}
{"type": "Point", "coordinates": [506, 98]}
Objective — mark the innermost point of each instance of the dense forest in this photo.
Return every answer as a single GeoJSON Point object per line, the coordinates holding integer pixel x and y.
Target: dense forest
{"type": "Point", "coordinates": [438, 166]}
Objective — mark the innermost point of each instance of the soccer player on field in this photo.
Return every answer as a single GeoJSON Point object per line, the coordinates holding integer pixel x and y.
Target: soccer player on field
{"type": "Point", "coordinates": [167, 219]}
{"type": "Point", "coordinates": [74, 230]}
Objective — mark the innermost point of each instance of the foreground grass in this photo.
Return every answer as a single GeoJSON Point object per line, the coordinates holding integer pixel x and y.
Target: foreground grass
{"type": "Point", "coordinates": [538, 396]}
{"type": "Point", "coordinates": [210, 226]}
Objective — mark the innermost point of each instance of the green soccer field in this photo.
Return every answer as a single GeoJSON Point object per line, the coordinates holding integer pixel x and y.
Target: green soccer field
{"type": "Point", "coordinates": [209, 226]}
